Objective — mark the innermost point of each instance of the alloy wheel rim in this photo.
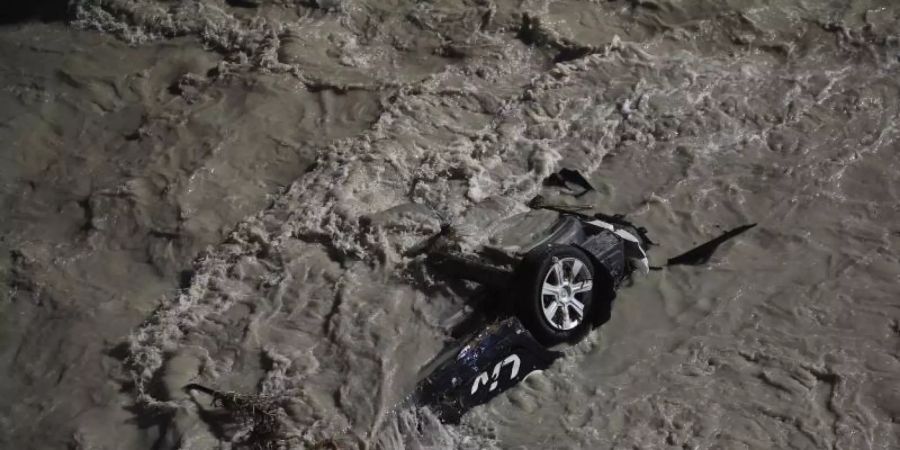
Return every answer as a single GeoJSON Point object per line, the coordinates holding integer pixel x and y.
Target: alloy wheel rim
{"type": "Point", "coordinates": [563, 291]}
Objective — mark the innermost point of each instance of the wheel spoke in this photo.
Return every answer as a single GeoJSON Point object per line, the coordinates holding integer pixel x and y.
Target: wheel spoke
{"type": "Point", "coordinates": [583, 286]}
{"type": "Point", "coordinates": [567, 321]}
{"type": "Point", "coordinates": [576, 267]}
{"type": "Point", "coordinates": [578, 307]}
{"type": "Point", "coordinates": [550, 310]}
{"type": "Point", "coordinates": [558, 271]}
{"type": "Point", "coordinates": [549, 289]}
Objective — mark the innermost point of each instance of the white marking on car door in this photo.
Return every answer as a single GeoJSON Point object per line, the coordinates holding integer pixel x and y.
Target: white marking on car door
{"type": "Point", "coordinates": [482, 378]}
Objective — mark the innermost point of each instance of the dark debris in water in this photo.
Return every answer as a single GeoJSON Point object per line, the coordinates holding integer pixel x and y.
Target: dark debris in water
{"type": "Point", "coordinates": [703, 252]}
{"type": "Point", "coordinates": [259, 418]}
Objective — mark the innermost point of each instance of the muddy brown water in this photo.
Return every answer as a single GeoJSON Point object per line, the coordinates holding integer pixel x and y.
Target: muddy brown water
{"type": "Point", "coordinates": [195, 192]}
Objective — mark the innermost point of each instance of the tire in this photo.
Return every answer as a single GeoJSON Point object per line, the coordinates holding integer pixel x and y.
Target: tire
{"type": "Point", "coordinates": [562, 311]}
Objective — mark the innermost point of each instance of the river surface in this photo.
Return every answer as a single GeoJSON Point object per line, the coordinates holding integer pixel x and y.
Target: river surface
{"type": "Point", "coordinates": [226, 193]}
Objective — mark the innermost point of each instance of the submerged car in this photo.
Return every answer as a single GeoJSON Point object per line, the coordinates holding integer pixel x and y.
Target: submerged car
{"type": "Point", "coordinates": [554, 272]}
{"type": "Point", "coordinates": [554, 267]}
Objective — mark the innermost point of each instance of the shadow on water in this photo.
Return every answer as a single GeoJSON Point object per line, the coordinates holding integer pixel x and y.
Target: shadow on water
{"type": "Point", "coordinates": [34, 10]}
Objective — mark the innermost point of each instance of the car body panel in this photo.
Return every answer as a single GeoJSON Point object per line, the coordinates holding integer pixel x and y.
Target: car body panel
{"type": "Point", "coordinates": [482, 367]}
{"type": "Point", "coordinates": [609, 246]}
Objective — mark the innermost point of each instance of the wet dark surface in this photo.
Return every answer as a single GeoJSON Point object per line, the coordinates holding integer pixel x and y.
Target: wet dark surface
{"type": "Point", "coordinates": [38, 10]}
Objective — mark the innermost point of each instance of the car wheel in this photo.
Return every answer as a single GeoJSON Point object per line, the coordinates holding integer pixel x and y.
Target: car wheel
{"type": "Point", "coordinates": [555, 293]}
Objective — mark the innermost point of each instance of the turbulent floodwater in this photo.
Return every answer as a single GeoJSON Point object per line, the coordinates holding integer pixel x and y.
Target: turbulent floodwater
{"type": "Point", "coordinates": [224, 193]}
